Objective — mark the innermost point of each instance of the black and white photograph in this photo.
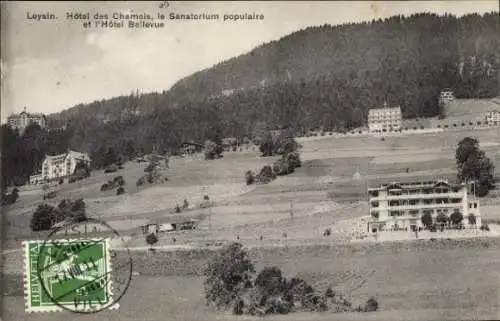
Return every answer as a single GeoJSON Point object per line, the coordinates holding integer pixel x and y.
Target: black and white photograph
{"type": "Point", "coordinates": [250, 160]}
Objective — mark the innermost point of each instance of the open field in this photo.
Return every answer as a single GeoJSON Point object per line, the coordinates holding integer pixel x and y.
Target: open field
{"type": "Point", "coordinates": [408, 279]}
{"type": "Point", "coordinates": [411, 282]}
{"type": "Point", "coordinates": [324, 182]}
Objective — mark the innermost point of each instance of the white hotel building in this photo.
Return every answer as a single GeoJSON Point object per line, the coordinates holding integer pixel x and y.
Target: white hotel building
{"type": "Point", "coordinates": [59, 166]}
{"type": "Point", "coordinates": [384, 119]}
{"type": "Point", "coordinates": [400, 206]}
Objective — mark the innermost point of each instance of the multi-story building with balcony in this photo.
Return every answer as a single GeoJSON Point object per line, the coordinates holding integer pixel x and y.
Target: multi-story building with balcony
{"type": "Point", "coordinates": [24, 119]}
{"type": "Point", "coordinates": [400, 206]}
{"type": "Point", "coordinates": [384, 119]}
{"type": "Point", "coordinates": [59, 166]}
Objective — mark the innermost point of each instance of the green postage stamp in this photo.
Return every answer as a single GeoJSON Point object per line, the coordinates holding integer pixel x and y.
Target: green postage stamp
{"type": "Point", "coordinates": [68, 274]}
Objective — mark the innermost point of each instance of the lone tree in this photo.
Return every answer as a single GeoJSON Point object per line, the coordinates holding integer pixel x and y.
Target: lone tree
{"type": "Point", "coordinates": [472, 219]}
{"type": "Point", "coordinates": [456, 218]}
{"type": "Point", "coordinates": [442, 219]}
{"type": "Point", "coordinates": [213, 150]}
{"type": "Point", "coordinates": [227, 275]}
{"type": "Point", "coordinates": [473, 165]}
{"type": "Point", "coordinates": [427, 220]}
{"type": "Point", "coordinates": [151, 239]}
{"type": "Point", "coordinates": [110, 158]}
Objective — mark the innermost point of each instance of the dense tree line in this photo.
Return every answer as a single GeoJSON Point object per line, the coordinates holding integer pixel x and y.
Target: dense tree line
{"type": "Point", "coordinates": [22, 155]}
{"type": "Point", "coordinates": [320, 77]}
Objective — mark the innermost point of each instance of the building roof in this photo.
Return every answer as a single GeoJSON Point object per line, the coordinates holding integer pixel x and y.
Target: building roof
{"type": "Point", "coordinates": [414, 185]}
{"type": "Point", "coordinates": [384, 110]}
{"type": "Point", "coordinates": [75, 155]}
{"type": "Point", "coordinates": [185, 144]}
{"type": "Point", "coordinates": [24, 112]}
{"type": "Point", "coordinates": [78, 155]}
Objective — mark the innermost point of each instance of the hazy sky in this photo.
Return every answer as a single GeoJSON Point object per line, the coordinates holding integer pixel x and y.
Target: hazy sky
{"type": "Point", "coordinates": [52, 65]}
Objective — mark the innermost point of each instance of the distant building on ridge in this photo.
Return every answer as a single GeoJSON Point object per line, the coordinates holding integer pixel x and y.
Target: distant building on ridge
{"type": "Point", "coordinates": [446, 95]}
{"type": "Point", "coordinates": [24, 119]}
{"type": "Point", "coordinates": [492, 117]}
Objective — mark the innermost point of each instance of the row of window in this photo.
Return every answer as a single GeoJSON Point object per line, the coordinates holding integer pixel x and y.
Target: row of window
{"type": "Point", "coordinates": [429, 201]}
{"type": "Point", "coordinates": [425, 191]}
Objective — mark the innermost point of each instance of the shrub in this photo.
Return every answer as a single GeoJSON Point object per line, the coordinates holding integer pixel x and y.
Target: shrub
{"type": "Point", "coordinates": [293, 160]}
{"type": "Point", "coordinates": [120, 190]}
{"type": "Point", "coordinates": [177, 209]}
{"type": "Point", "coordinates": [463, 124]}
{"type": "Point", "coordinates": [49, 195]}
{"type": "Point", "coordinates": [266, 175]}
{"type": "Point", "coordinates": [10, 198]}
{"type": "Point", "coordinates": [454, 125]}
{"type": "Point", "coordinates": [110, 168]}
{"type": "Point", "coordinates": [426, 220]}
{"type": "Point", "coordinates": [104, 187]}
{"type": "Point", "coordinates": [472, 219]}
{"type": "Point", "coordinates": [151, 239]}
{"type": "Point", "coordinates": [422, 127]}
{"type": "Point", "coordinates": [77, 206]}
{"type": "Point", "coordinates": [227, 275]}
{"type": "Point", "coordinates": [118, 180]}
{"type": "Point", "coordinates": [213, 150]}
{"type": "Point", "coordinates": [281, 167]}
{"type": "Point", "coordinates": [140, 181]}
{"type": "Point", "coordinates": [249, 177]}
{"type": "Point", "coordinates": [238, 307]}
{"type": "Point", "coordinates": [46, 215]}
{"type": "Point", "coordinates": [456, 217]}
{"type": "Point", "coordinates": [269, 281]}
{"type": "Point", "coordinates": [442, 219]}
{"type": "Point", "coordinates": [485, 227]}
{"type": "Point", "coordinates": [327, 232]}
{"type": "Point", "coordinates": [43, 218]}
{"type": "Point", "coordinates": [371, 305]}
{"type": "Point", "coordinates": [150, 167]}
{"type": "Point", "coordinates": [445, 126]}
{"type": "Point", "coordinates": [185, 205]}
{"type": "Point", "coordinates": [206, 198]}
{"type": "Point", "coordinates": [61, 181]}
{"type": "Point", "coordinates": [414, 127]}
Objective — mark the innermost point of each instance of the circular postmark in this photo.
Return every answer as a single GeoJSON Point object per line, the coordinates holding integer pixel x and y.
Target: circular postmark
{"type": "Point", "coordinates": [78, 272]}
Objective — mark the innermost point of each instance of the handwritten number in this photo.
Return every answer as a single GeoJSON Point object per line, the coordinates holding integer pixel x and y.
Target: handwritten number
{"type": "Point", "coordinates": [164, 4]}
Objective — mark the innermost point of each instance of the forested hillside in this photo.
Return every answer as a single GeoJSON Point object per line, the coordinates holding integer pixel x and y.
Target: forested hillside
{"type": "Point", "coordinates": [327, 76]}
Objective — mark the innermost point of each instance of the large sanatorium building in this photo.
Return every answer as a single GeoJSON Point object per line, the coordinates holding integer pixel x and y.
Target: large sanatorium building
{"type": "Point", "coordinates": [400, 206]}
{"type": "Point", "coordinates": [59, 166]}
{"type": "Point", "coordinates": [24, 119]}
{"type": "Point", "coordinates": [384, 119]}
